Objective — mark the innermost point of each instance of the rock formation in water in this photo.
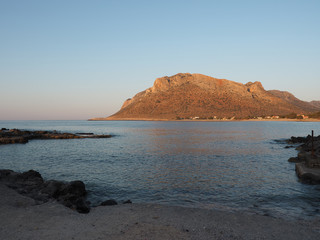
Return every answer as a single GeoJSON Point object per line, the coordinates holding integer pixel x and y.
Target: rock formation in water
{"type": "Point", "coordinates": [187, 96]}
{"type": "Point", "coordinates": [308, 158]}
{"type": "Point", "coordinates": [10, 136]}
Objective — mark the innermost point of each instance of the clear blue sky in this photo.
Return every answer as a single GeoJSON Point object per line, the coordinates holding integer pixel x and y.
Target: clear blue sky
{"type": "Point", "coordinates": [82, 59]}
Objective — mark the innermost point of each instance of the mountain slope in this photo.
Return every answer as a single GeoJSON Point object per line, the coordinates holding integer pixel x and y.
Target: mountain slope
{"type": "Point", "coordinates": [187, 95]}
{"type": "Point", "coordinates": [316, 104]}
{"type": "Point", "coordinates": [290, 98]}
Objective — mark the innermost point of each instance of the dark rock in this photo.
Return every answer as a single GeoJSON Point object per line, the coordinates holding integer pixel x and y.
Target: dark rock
{"type": "Point", "coordinates": [4, 173]}
{"type": "Point", "coordinates": [30, 178]}
{"type": "Point", "coordinates": [308, 159]}
{"type": "Point", "coordinates": [294, 160]}
{"type": "Point", "coordinates": [40, 197]}
{"type": "Point", "coordinates": [289, 146]}
{"type": "Point", "coordinates": [109, 202]}
{"type": "Point", "coordinates": [12, 140]}
{"type": "Point", "coordinates": [52, 188]}
{"type": "Point", "coordinates": [127, 202]}
{"type": "Point", "coordinates": [307, 175]}
{"type": "Point", "coordinates": [18, 136]}
{"type": "Point", "coordinates": [301, 139]}
{"type": "Point", "coordinates": [75, 188]}
{"type": "Point", "coordinates": [71, 194]}
{"type": "Point", "coordinates": [31, 184]}
{"type": "Point", "coordinates": [302, 156]}
{"type": "Point", "coordinates": [31, 174]}
{"type": "Point", "coordinates": [82, 206]}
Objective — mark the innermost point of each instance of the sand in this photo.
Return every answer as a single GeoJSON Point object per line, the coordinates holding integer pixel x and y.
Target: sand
{"type": "Point", "coordinates": [21, 218]}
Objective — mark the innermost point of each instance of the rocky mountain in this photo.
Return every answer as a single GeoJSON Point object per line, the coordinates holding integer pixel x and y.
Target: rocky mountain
{"type": "Point", "coordinates": [290, 98]}
{"type": "Point", "coordinates": [315, 103]}
{"type": "Point", "coordinates": [187, 95]}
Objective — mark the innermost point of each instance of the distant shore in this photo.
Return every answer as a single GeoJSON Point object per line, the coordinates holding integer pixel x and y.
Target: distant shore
{"type": "Point", "coordinates": [207, 120]}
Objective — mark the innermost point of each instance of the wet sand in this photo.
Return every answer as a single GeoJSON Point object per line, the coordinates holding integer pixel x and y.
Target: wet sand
{"type": "Point", "coordinates": [21, 218]}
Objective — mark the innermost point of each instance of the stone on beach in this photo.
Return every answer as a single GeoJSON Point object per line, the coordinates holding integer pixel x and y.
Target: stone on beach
{"type": "Point", "coordinates": [109, 202]}
{"type": "Point", "coordinates": [31, 184]}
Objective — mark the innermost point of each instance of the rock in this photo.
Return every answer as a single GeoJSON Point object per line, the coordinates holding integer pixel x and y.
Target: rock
{"type": "Point", "coordinates": [294, 160]}
{"type": "Point", "coordinates": [13, 140]}
{"type": "Point", "coordinates": [295, 140]}
{"type": "Point", "coordinates": [312, 161]}
{"type": "Point", "coordinates": [31, 184]}
{"type": "Point", "coordinates": [17, 136]}
{"type": "Point", "coordinates": [308, 159]}
{"type": "Point", "coordinates": [71, 195]}
{"type": "Point", "coordinates": [31, 174]}
{"type": "Point", "coordinates": [109, 202]}
{"type": "Point", "coordinates": [75, 188]}
{"type": "Point", "coordinates": [289, 146]}
{"type": "Point", "coordinates": [52, 188]}
{"type": "Point", "coordinates": [127, 202]}
{"type": "Point", "coordinates": [30, 178]}
{"type": "Point", "coordinates": [308, 175]}
{"type": "Point", "coordinates": [4, 173]}
{"type": "Point", "coordinates": [82, 206]}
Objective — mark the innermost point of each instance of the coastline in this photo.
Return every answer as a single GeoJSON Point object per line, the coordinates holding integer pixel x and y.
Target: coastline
{"type": "Point", "coordinates": [22, 218]}
{"type": "Point", "coordinates": [206, 120]}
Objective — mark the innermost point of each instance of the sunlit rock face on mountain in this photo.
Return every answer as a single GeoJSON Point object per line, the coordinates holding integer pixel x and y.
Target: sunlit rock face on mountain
{"type": "Point", "coordinates": [186, 95]}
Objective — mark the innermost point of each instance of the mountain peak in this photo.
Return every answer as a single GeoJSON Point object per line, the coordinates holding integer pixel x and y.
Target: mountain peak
{"type": "Point", "coordinates": [188, 95]}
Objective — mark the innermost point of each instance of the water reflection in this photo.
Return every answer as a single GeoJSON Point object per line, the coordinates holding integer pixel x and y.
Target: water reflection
{"type": "Point", "coordinates": [230, 165]}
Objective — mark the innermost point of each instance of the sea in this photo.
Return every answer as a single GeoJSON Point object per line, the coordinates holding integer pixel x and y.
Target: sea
{"type": "Point", "coordinates": [230, 166]}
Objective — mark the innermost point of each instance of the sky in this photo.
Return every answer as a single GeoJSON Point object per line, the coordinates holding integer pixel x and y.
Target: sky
{"type": "Point", "coordinates": [70, 60]}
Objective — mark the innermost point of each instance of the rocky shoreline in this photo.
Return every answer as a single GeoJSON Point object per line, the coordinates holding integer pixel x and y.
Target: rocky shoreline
{"type": "Point", "coordinates": [31, 184]}
{"type": "Point", "coordinates": [307, 162]}
{"type": "Point", "coordinates": [11, 136]}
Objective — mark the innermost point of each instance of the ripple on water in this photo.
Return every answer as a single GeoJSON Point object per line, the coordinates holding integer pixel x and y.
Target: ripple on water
{"type": "Point", "coordinates": [222, 165]}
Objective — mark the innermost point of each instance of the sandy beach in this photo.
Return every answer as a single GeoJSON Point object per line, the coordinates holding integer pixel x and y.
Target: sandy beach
{"type": "Point", "coordinates": [22, 218]}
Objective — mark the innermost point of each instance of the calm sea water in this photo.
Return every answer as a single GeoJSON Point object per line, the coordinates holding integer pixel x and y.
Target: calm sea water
{"type": "Point", "coordinates": [219, 165]}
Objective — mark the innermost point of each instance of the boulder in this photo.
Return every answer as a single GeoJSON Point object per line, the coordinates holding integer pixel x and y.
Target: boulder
{"type": "Point", "coordinates": [31, 184]}
{"type": "Point", "coordinates": [52, 188]}
{"type": "Point", "coordinates": [71, 195]}
{"type": "Point", "coordinates": [294, 160]}
{"type": "Point", "coordinates": [82, 206]}
{"type": "Point", "coordinates": [109, 202]}
{"type": "Point", "coordinates": [75, 188]}
{"type": "Point", "coordinates": [308, 175]}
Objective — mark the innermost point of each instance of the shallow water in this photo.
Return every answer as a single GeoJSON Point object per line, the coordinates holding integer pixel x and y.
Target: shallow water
{"type": "Point", "coordinates": [225, 165]}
